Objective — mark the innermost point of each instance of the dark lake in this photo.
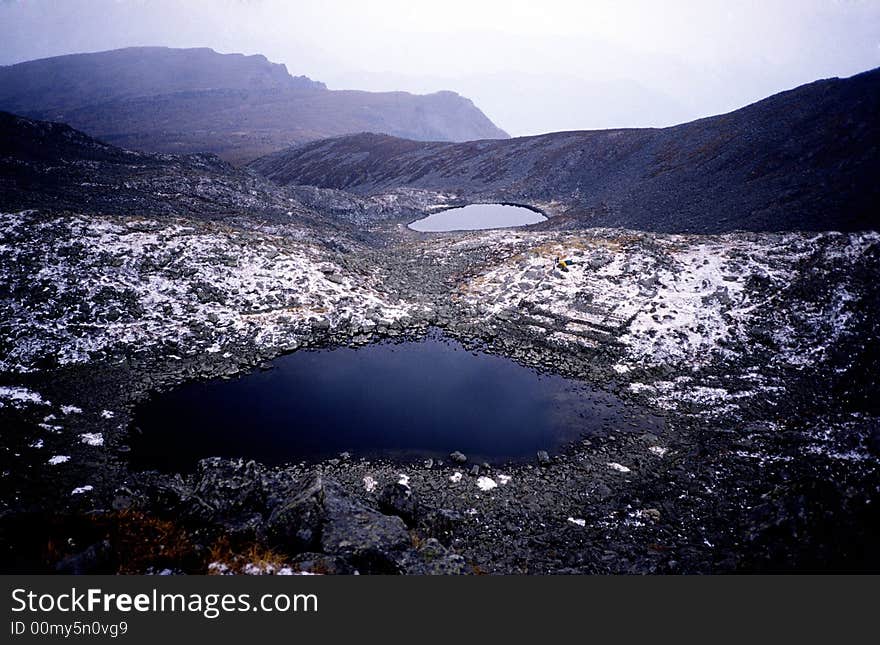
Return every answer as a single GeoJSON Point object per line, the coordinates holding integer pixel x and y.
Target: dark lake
{"type": "Point", "coordinates": [404, 401]}
{"type": "Point", "coordinates": [477, 217]}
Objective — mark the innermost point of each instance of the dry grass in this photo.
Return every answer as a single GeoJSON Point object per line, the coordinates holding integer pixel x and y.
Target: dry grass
{"type": "Point", "coordinates": [235, 558]}
{"type": "Point", "coordinates": [142, 541]}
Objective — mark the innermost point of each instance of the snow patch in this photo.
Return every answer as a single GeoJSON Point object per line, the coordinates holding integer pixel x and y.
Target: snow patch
{"type": "Point", "coordinates": [486, 483]}
{"type": "Point", "coordinates": [20, 396]}
{"type": "Point", "coordinates": [92, 438]}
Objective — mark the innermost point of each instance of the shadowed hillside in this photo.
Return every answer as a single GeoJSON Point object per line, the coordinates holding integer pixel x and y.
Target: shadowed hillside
{"type": "Point", "coordinates": [805, 159]}
{"type": "Point", "coordinates": [52, 167]}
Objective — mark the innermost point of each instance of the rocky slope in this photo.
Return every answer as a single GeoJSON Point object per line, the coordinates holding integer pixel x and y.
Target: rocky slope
{"type": "Point", "coordinates": [55, 168]}
{"type": "Point", "coordinates": [806, 159]}
{"type": "Point", "coordinates": [240, 107]}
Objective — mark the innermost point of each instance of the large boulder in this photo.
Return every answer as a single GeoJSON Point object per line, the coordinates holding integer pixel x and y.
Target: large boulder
{"type": "Point", "coordinates": [296, 522]}
{"type": "Point", "coordinates": [320, 516]}
{"type": "Point", "coordinates": [227, 492]}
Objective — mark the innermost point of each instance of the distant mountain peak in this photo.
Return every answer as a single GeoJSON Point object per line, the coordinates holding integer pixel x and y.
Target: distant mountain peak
{"type": "Point", "coordinates": [163, 99]}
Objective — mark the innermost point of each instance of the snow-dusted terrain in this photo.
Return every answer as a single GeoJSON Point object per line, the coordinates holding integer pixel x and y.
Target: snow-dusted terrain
{"type": "Point", "coordinates": [80, 289]}
{"type": "Point", "coordinates": [751, 348]}
{"type": "Point", "coordinates": [681, 302]}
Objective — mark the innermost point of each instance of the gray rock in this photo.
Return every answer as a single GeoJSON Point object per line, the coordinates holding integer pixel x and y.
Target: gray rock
{"type": "Point", "coordinates": [320, 516]}
{"type": "Point", "coordinates": [297, 522]}
{"type": "Point", "coordinates": [121, 502]}
{"type": "Point", "coordinates": [441, 523]}
{"type": "Point", "coordinates": [398, 499]}
{"type": "Point", "coordinates": [457, 457]}
{"type": "Point", "coordinates": [372, 541]}
{"type": "Point", "coordinates": [433, 558]}
{"type": "Point", "coordinates": [652, 514]}
{"type": "Point", "coordinates": [322, 564]}
{"type": "Point", "coordinates": [543, 458]}
{"type": "Point", "coordinates": [224, 489]}
{"type": "Point", "coordinates": [95, 559]}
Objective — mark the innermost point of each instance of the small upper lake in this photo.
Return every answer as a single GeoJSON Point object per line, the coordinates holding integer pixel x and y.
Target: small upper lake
{"type": "Point", "coordinates": [477, 217]}
{"type": "Point", "coordinates": [405, 400]}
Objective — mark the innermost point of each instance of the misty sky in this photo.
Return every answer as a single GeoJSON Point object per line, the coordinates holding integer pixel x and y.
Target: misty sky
{"type": "Point", "coordinates": [531, 66]}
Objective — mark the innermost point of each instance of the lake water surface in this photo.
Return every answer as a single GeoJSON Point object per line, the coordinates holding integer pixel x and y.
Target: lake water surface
{"type": "Point", "coordinates": [404, 400]}
{"type": "Point", "coordinates": [477, 217]}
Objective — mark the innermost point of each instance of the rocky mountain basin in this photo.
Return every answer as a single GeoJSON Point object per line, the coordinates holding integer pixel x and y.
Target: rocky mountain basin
{"type": "Point", "coordinates": [754, 348]}
{"type": "Point", "coordinates": [746, 326]}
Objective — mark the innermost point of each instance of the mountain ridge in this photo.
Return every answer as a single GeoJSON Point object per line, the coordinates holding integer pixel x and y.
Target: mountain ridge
{"type": "Point", "coordinates": [806, 158]}
{"type": "Point", "coordinates": [159, 99]}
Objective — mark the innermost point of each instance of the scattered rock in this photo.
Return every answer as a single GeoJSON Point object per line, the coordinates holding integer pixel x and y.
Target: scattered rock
{"type": "Point", "coordinates": [398, 499]}
{"type": "Point", "coordinates": [441, 524]}
{"type": "Point", "coordinates": [457, 457]}
{"type": "Point", "coordinates": [652, 514]}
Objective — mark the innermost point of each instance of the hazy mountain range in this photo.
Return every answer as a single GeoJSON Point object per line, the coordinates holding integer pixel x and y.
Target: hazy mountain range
{"type": "Point", "coordinates": [804, 159]}
{"type": "Point", "coordinates": [240, 107]}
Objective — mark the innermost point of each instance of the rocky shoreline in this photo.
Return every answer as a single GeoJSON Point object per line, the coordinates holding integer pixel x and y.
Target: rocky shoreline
{"type": "Point", "coordinates": [757, 350]}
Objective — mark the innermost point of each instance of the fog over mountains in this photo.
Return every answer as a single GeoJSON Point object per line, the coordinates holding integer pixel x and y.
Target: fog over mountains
{"type": "Point", "coordinates": [158, 99]}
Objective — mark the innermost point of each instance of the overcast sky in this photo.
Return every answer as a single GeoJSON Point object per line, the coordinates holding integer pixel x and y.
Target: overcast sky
{"type": "Point", "coordinates": [531, 66]}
